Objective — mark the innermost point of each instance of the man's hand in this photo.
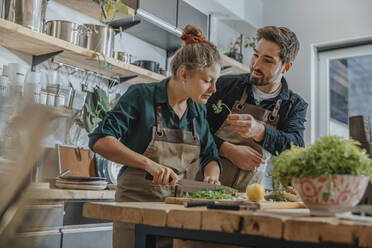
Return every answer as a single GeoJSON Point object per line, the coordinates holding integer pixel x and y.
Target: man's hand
{"type": "Point", "coordinates": [245, 157]}
{"type": "Point", "coordinates": [246, 126]}
{"type": "Point", "coordinates": [212, 173]}
{"type": "Point", "coordinates": [161, 174]}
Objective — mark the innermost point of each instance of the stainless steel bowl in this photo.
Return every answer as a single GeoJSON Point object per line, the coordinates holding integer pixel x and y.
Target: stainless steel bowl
{"type": "Point", "coordinates": [64, 30]}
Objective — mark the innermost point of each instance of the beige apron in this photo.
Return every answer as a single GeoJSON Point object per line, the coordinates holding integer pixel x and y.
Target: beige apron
{"type": "Point", "coordinates": [232, 175]}
{"type": "Point", "coordinates": [176, 149]}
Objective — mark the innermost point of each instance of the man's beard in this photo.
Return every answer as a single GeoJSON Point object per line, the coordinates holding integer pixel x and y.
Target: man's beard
{"type": "Point", "coordinates": [257, 81]}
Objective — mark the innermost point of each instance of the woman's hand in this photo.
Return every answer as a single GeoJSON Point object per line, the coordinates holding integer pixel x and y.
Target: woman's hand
{"type": "Point", "coordinates": [212, 173]}
{"type": "Point", "coordinates": [161, 174]}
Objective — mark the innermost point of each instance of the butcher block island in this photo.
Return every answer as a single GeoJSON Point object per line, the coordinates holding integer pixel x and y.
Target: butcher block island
{"type": "Point", "coordinates": [263, 228]}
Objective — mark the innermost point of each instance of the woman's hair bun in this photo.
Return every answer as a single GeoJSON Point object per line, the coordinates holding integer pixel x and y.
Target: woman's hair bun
{"type": "Point", "coordinates": [194, 30]}
{"type": "Point", "coordinates": [192, 34]}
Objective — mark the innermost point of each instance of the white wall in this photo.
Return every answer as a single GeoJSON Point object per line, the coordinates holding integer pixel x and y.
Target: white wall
{"type": "Point", "coordinates": [316, 21]}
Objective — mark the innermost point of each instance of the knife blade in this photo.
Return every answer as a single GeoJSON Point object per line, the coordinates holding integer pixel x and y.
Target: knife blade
{"type": "Point", "coordinates": [192, 186]}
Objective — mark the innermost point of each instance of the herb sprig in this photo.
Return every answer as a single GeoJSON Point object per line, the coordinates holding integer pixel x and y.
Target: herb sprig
{"type": "Point", "coordinates": [217, 108]}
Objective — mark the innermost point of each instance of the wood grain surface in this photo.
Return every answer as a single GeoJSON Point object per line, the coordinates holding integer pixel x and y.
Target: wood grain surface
{"type": "Point", "coordinates": [287, 224]}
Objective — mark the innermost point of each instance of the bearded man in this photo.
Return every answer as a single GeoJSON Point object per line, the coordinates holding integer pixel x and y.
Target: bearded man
{"type": "Point", "coordinates": [255, 115]}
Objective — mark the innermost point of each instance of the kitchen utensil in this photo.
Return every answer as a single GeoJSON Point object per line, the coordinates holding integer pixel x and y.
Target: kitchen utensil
{"type": "Point", "coordinates": [148, 64]}
{"type": "Point", "coordinates": [43, 97]}
{"type": "Point", "coordinates": [82, 179]}
{"type": "Point", "coordinates": [60, 101]}
{"type": "Point", "coordinates": [64, 173]}
{"type": "Point", "coordinates": [64, 30]}
{"type": "Point", "coordinates": [360, 128]}
{"type": "Point", "coordinates": [347, 191]}
{"type": "Point", "coordinates": [80, 186]}
{"type": "Point", "coordinates": [17, 73]}
{"type": "Point", "coordinates": [225, 206]}
{"type": "Point", "coordinates": [32, 85]}
{"type": "Point", "coordinates": [4, 86]}
{"type": "Point", "coordinates": [260, 205]}
{"type": "Point", "coordinates": [198, 204]}
{"type": "Point", "coordinates": [76, 160]}
{"type": "Point", "coordinates": [51, 99]}
{"type": "Point", "coordinates": [65, 92]}
{"type": "Point", "coordinates": [99, 38]}
{"type": "Point", "coordinates": [28, 13]}
{"type": "Point", "coordinates": [190, 186]}
{"type": "Point", "coordinates": [121, 56]}
{"type": "Point", "coordinates": [112, 171]}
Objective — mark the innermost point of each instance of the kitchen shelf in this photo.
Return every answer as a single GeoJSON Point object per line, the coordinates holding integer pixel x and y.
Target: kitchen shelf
{"type": "Point", "coordinates": [31, 42]}
{"type": "Point", "coordinates": [91, 8]}
{"type": "Point", "coordinates": [236, 67]}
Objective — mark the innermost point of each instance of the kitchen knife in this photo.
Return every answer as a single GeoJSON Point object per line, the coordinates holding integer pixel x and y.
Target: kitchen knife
{"type": "Point", "coordinates": [235, 207]}
{"type": "Point", "coordinates": [192, 186]}
{"type": "Point", "coordinates": [198, 204]}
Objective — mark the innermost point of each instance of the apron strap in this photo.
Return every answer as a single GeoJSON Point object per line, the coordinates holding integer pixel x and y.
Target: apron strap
{"type": "Point", "coordinates": [244, 97]}
{"type": "Point", "coordinates": [194, 133]}
{"type": "Point", "coordinates": [159, 118]}
{"type": "Point", "coordinates": [276, 108]}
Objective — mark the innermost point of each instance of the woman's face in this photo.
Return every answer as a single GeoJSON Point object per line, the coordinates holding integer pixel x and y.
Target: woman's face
{"type": "Point", "coordinates": [200, 85]}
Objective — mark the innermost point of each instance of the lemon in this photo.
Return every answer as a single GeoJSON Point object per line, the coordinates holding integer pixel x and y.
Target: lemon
{"type": "Point", "coordinates": [255, 192]}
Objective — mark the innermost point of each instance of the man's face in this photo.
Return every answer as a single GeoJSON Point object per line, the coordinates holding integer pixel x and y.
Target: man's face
{"type": "Point", "coordinates": [266, 66]}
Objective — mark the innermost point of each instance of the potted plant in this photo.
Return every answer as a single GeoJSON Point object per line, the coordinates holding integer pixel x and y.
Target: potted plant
{"type": "Point", "coordinates": [237, 47]}
{"type": "Point", "coordinates": [109, 7]}
{"type": "Point", "coordinates": [331, 175]}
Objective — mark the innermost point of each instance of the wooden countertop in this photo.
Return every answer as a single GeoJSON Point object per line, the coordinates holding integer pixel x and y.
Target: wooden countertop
{"type": "Point", "coordinates": [286, 224]}
{"type": "Point", "coordinates": [65, 194]}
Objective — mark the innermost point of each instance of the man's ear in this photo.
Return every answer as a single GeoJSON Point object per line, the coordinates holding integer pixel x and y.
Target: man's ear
{"type": "Point", "coordinates": [287, 67]}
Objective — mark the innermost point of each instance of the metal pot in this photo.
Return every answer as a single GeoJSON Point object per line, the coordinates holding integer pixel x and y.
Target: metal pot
{"type": "Point", "coordinates": [121, 56]}
{"type": "Point", "coordinates": [98, 38]}
{"type": "Point", "coordinates": [64, 30]}
{"type": "Point", "coordinates": [148, 64]}
{"type": "Point", "coordinates": [28, 13]}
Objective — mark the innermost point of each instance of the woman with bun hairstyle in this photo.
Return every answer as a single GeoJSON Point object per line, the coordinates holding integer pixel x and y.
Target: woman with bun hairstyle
{"type": "Point", "coordinates": [159, 130]}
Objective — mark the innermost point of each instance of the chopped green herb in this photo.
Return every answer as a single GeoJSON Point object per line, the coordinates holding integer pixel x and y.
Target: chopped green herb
{"type": "Point", "coordinates": [217, 193]}
{"type": "Point", "coordinates": [276, 196]}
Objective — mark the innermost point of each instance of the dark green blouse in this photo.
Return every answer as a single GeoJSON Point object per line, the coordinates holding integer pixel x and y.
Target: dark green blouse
{"type": "Point", "coordinates": [133, 117]}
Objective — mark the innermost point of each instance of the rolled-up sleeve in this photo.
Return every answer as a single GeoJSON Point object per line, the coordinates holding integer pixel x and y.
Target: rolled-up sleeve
{"type": "Point", "coordinates": [208, 148]}
{"type": "Point", "coordinates": [291, 131]}
{"type": "Point", "coordinates": [116, 122]}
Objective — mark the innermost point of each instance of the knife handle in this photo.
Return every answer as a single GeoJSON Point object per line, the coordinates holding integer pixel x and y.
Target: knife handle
{"type": "Point", "coordinates": [151, 177]}
{"type": "Point", "coordinates": [223, 206]}
{"type": "Point", "coordinates": [198, 204]}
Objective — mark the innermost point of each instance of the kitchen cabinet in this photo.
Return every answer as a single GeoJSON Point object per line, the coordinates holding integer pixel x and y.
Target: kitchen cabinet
{"type": "Point", "coordinates": [62, 224]}
{"type": "Point", "coordinates": [189, 15]}
{"type": "Point", "coordinates": [91, 237]}
{"type": "Point", "coordinates": [165, 10]}
{"type": "Point", "coordinates": [42, 239]}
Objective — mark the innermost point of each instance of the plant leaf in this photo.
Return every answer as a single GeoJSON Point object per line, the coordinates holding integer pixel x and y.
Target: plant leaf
{"type": "Point", "coordinates": [121, 8]}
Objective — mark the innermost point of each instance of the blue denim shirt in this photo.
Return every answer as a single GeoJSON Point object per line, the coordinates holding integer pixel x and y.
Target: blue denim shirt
{"type": "Point", "coordinates": [290, 128]}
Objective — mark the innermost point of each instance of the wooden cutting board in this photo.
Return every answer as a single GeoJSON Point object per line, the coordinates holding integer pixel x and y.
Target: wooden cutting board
{"type": "Point", "coordinates": [260, 205]}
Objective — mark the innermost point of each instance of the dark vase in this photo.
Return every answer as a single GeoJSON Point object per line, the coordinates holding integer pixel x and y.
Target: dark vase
{"type": "Point", "coordinates": [237, 56]}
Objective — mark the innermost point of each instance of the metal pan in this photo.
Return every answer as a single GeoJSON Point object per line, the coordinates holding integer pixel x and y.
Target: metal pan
{"type": "Point", "coordinates": [64, 30]}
